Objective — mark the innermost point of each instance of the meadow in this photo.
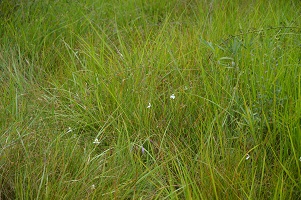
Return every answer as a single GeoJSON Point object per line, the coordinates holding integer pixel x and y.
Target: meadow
{"type": "Point", "coordinates": [177, 99]}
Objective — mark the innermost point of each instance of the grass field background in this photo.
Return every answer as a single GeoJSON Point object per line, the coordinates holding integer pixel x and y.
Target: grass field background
{"type": "Point", "coordinates": [178, 99]}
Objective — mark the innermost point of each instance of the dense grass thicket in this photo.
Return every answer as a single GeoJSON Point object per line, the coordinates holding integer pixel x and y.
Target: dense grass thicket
{"type": "Point", "coordinates": [177, 99]}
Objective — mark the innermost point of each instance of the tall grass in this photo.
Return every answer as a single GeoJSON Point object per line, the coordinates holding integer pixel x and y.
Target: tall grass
{"type": "Point", "coordinates": [87, 107]}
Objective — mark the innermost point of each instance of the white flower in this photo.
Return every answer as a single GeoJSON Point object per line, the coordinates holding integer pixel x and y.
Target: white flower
{"type": "Point", "coordinates": [172, 96]}
{"type": "Point", "coordinates": [142, 150]}
{"type": "Point", "coordinates": [300, 158]}
{"type": "Point", "coordinates": [248, 157]}
{"type": "Point", "coordinates": [96, 141]}
{"type": "Point", "coordinates": [149, 105]}
{"type": "Point", "coordinates": [69, 130]}
{"type": "Point", "coordinates": [93, 187]}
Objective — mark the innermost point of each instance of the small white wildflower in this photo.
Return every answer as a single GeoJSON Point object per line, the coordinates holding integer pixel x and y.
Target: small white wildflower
{"type": "Point", "coordinates": [142, 150]}
{"type": "Point", "coordinates": [149, 105]}
{"type": "Point", "coordinates": [93, 187]}
{"type": "Point", "coordinates": [300, 158]}
{"type": "Point", "coordinates": [172, 96]}
{"type": "Point", "coordinates": [69, 130]}
{"type": "Point", "coordinates": [96, 141]}
{"type": "Point", "coordinates": [248, 157]}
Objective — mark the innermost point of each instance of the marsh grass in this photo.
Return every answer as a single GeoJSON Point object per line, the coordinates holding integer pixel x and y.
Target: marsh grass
{"type": "Point", "coordinates": [76, 71]}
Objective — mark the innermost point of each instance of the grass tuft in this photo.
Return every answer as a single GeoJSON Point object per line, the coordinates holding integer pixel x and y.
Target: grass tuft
{"type": "Point", "coordinates": [159, 100]}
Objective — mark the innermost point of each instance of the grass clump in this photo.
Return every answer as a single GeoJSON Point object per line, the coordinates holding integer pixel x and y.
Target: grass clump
{"type": "Point", "coordinates": [158, 100]}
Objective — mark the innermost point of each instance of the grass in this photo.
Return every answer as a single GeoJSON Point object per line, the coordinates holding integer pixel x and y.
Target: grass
{"type": "Point", "coordinates": [72, 72]}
